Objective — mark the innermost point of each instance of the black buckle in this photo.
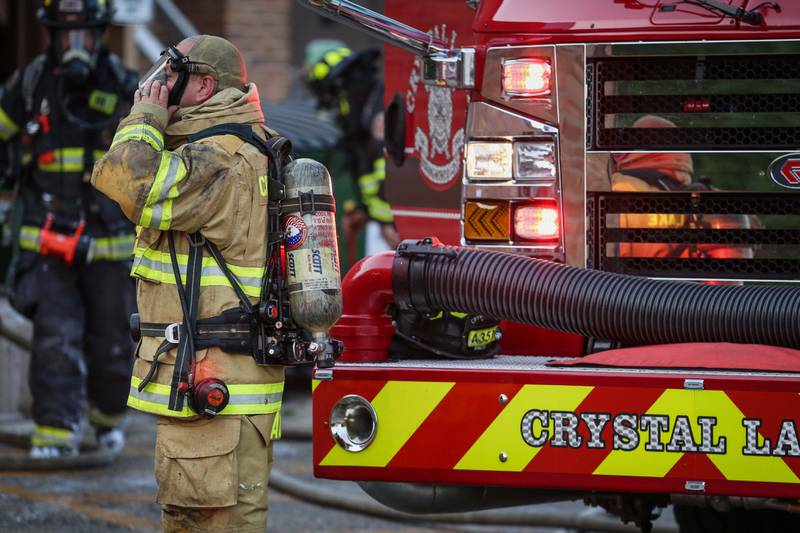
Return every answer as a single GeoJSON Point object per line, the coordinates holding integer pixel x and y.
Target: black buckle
{"type": "Point", "coordinates": [196, 243]}
{"type": "Point", "coordinates": [178, 61]}
{"type": "Point", "coordinates": [304, 199]}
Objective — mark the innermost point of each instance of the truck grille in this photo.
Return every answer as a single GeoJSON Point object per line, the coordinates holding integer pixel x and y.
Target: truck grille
{"type": "Point", "coordinates": [724, 236]}
{"type": "Point", "coordinates": [715, 102]}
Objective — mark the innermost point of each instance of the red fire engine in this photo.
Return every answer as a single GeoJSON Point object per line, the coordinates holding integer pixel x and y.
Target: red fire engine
{"type": "Point", "coordinates": [636, 163]}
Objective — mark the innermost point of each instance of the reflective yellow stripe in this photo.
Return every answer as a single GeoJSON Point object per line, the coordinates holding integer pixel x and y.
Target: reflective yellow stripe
{"type": "Point", "coordinates": [370, 185]}
{"type": "Point", "coordinates": [100, 419]}
{"type": "Point", "coordinates": [247, 399]}
{"type": "Point", "coordinates": [154, 265]}
{"type": "Point", "coordinates": [401, 406]}
{"type": "Point", "coordinates": [53, 432]}
{"type": "Point", "coordinates": [51, 436]}
{"type": "Point", "coordinates": [113, 248]}
{"type": "Point", "coordinates": [68, 160]}
{"type": "Point", "coordinates": [119, 248]}
{"type": "Point", "coordinates": [484, 453]}
{"type": "Point", "coordinates": [64, 160]}
{"type": "Point", "coordinates": [157, 211]}
{"type": "Point", "coordinates": [140, 132]}
{"type": "Point", "coordinates": [29, 238]}
{"type": "Point", "coordinates": [734, 466]}
{"type": "Point", "coordinates": [8, 128]}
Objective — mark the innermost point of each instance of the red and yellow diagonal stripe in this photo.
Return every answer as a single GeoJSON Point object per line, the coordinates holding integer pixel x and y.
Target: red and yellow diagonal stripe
{"type": "Point", "coordinates": [461, 428]}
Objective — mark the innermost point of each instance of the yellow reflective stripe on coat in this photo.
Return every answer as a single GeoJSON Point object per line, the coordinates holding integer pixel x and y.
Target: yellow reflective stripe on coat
{"type": "Point", "coordinates": [157, 211]}
{"type": "Point", "coordinates": [248, 399]}
{"type": "Point", "coordinates": [8, 128]}
{"type": "Point", "coordinates": [154, 265]}
{"type": "Point", "coordinates": [69, 159]}
{"type": "Point", "coordinates": [140, 132]}
{"type": "Point", "coordinates": [51, 436]}
{"type": "Point", "coordinates": [370, 185]}
{"type": "Point", "coordinates": [113, 248]}
{"type": "Point", "coordinates": [118, 248]}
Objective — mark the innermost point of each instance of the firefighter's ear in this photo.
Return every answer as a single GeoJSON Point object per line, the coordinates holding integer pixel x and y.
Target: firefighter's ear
{"type": "Point", "coordinates": [206, 87]}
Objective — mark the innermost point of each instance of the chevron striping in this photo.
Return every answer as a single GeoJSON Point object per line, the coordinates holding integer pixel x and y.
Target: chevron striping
{"type": "Point", "coordinates": [733, 465]}
{"type": "Point", "coordinates": [584, 460]}
{"type": "Point", "coordinates": [503, 434]}
{"type": "Point", "coordinates": [400, 406]}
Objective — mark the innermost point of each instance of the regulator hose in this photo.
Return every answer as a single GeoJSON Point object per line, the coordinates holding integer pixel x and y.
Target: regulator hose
{"type": "Point", "coordinates": [429, 277]}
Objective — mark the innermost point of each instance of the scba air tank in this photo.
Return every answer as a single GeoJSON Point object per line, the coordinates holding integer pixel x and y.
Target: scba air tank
{"type": "Point", "coordinates": [312, 254]}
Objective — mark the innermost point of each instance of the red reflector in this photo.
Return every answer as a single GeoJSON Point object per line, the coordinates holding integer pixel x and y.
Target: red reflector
{"type": "Point", "coordinates": [536, 222]}
{"type": "Point", "coordinates": [215, 398]}
{"type": "Point", "coordinates": [527, 77]}
{"type": "Point", "coordinates": [46, 158]}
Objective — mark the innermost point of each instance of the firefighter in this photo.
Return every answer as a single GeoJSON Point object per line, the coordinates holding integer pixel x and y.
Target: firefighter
{"type": "Point", "coordinates": [189, 195]}
{"type": "Point", "coordinates": [347, 84]}
{"type": "Point", "coordinates": [72, 245]}
{"type": "Point", "coordinates": [639, 171]}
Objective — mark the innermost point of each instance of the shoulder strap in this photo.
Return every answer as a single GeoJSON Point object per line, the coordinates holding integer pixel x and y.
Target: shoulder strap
{"type": "Point", "coordinates": [30, 79]}
{"type": "Point", "coordinates": [182, 375]}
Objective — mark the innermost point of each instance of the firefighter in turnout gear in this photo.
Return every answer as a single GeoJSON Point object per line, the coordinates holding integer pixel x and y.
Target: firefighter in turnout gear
{"type": "Point", "coordinates": [72, 246]}
{"type": "Point", "coordinates": [187, 195]}
{"type": "Point", "coordinates": [347, 83]}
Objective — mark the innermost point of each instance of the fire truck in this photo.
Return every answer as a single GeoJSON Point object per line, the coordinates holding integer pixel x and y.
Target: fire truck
{"type": "Point", "coordinates": [615, 182]}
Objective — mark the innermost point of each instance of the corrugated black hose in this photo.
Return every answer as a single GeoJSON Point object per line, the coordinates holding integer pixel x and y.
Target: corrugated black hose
{"type": "Point", "coordinates": [592, 303]}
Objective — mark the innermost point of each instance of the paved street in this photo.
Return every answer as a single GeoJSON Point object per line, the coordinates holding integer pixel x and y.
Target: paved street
{"type": "Point", "coordinates": [121, 498]}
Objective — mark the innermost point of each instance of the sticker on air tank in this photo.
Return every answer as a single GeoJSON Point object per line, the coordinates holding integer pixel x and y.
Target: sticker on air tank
{"type": "Point", "coordinates": [322, 229]}
{"type": "Point", "coordinates": [295, 232]}
{"type": "Point", "coordinates": [312, 269]}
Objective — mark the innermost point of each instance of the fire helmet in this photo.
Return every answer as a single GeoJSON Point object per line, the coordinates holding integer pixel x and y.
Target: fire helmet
{"type": "Point", "coordinates": [67, 14]}
{"type": "Point", "coordinates": [75, 28]}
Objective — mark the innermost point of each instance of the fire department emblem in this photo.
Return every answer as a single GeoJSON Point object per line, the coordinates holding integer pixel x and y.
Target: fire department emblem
{"type": "Point", "coordinates": [439, 147]}
{"type": "Point", "coordinates": [785, 171]}
{"type": "Point", "coordinates": [295, 232]}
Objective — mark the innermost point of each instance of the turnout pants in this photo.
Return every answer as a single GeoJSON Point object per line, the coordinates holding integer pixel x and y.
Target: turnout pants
{"type": "Point", "coordinates": [82, 351]}
{"type": "Point", "coordinates": [212, 474]}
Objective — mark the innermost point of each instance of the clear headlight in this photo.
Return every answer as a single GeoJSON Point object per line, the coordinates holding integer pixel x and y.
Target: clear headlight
{"type": "Point", "coordinates": [353, 423]}
{"type": "Point", "coordinates": [535, 160]}
{"type": "Point", "coordinates": [489, 160]}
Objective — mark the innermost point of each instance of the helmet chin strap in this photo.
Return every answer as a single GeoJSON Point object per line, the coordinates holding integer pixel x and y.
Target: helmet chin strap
{"type": "Point", "coordinates": [178, 89]}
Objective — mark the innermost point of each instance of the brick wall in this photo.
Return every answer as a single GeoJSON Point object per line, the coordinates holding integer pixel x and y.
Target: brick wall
{"type": "Point", "coordinates": [259, 28]}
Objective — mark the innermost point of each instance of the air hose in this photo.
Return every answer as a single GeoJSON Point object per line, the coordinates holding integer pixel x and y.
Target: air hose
{"type": "Point", "coordinates": [428, 277]}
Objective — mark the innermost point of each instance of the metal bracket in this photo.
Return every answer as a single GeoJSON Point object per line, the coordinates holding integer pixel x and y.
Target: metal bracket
{"type": "Point", "coordinates": [323, 374]}
{"type": "Point", "coordinates": [693, 384]}
{"type": "Point", "coordinates": [453, 68]}
{"type": "Point", "coordinates": [173, 333]}
{"type": "Point", "coordinates": [425, 247]}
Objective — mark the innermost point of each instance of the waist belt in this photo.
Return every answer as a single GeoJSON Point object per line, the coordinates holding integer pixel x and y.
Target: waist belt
{"type": "Point", "coordinates": [231, 331]}
{"type": "Point", "coordinates": [232, 338]}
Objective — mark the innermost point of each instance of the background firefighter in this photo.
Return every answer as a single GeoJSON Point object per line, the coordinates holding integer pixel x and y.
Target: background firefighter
{"type": "Point", "coordinates": [57, 116]}
{"type": "Point", "coordinates": [348, 85]}
{"type": "Point", "coordinates": [670, 171]}
{"type": "Point", "coordinates": [211, 473]}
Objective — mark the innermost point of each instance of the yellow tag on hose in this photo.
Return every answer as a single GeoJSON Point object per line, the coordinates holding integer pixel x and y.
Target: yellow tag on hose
{"type": "Point", "coordinates": [481, 338]}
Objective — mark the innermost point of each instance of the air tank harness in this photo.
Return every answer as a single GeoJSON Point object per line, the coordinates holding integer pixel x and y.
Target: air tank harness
{"type": "Point", "coordinates": [265, 330]}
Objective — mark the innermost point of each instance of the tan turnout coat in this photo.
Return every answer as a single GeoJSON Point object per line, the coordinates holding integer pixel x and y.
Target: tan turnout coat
{"type": "Point", "coordinates": [216, 186]}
